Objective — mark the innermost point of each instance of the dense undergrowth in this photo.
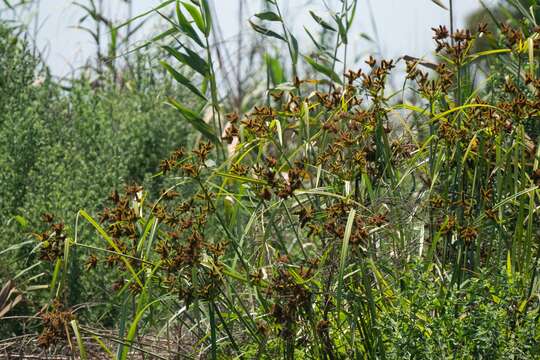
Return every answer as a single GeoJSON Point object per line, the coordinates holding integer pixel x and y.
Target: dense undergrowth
{"type": "Point", "coordinates": [336, 219]}
{"type": "Point", "coordinates": [64, 148]}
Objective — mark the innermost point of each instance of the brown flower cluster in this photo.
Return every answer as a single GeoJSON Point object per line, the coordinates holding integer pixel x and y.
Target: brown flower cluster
{"type": "Point", "coordinates": [512, 35]}
{"type": "Point", "coordinates": [121, 224]}
{"type": "Point", "coordinates": [291, 296]}
{"type": "Point", "coordinates": [51, 239]}
{"type": "Point", "coordinates": [455, 45]}
{"type": "Point", "coordinates": [55, 325]}
{"type": "Point", "coordinates": [181, 243]}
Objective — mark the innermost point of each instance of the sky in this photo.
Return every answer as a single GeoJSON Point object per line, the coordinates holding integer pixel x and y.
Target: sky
{"type": "Point", "coordinates": [400, 27]}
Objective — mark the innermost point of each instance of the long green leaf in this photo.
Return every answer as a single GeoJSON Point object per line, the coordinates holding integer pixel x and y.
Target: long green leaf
{"type": "Point", "coordinates": [103, 346]}
{"type": "Point", "coordinates": [266, 32]}
{"type": "Point", "coordinates": [342, 30]}
{"type": "Point", "coordinates": [182, 80]}
{"type": "Point", "coordinates": [190, 59]}
{"type": "Point", "coordinates": [196, 121]}
{"type": "Point", "coordinates": [186, 27]}
{"type": "Point", "coordinates": [343, 256]}
{"type": "Point", "coordinates": [80, 342]}
{"type": "Point", "coordinates": [196, 15]}
{"type": "Point", "coordinates": [207, 16]}
{"type": "Point", "coordinates": [268, 15]}
{"type": "Point", "coordinates": [153, 40]}
{"type": "Point", "coordinates": [440, 4]}
{"type": "Point", "coordinates": [160, 6]}
{"type": "Point", "coordinates": [323, 69]}
{"type": "Point", "coordinates": [321, 22]}
{"type": "Point", "coordinates": [198, 62]}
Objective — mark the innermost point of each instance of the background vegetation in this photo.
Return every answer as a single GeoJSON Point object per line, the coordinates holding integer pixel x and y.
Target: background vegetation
{"type": "Point", "coordinates": [66, 148]}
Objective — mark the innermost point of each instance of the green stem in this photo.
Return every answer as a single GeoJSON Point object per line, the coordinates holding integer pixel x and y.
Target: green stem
{"type": "Point", "coordinates": [213, 336]}
{"type": "Point", "coordinates": [216, 111]}
{"type": "Point", "coordinates": [287, 38]}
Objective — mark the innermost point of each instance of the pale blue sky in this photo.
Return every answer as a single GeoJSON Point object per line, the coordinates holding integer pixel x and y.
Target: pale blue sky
{"type": "Point", "coordinates": [403, 26]}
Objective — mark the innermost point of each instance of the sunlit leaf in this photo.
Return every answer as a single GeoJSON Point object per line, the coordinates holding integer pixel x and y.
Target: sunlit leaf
{"type": "Point", "coordinates": [269, 16]}
{"type": "Point", "coordinates": [195, 120]}
{"type": "Point", "coordinates": [440, 4]}
{"type": "Point", "coordinates": [323, 69]}
{"type": "Point", "coordinates": [196, 15]}
{"type": "Point", "coordinates": [186, 27]}
{"type": "Point", "coordinates": [342, 30]}
{"type": "Point", "coordinates": [182, 80]}
{"type": "Point", "coordinates": [207, 16]}
{"type": "Point", "coordinates": [265, 31]}
{"type": "Point", "coordinates": [321, 22]}
{"type": "Point", "coordinates": [191, 59]}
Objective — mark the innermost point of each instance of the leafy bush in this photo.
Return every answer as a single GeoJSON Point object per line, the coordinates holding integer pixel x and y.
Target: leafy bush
{"type": "Point", "coordinates": [64, 150]}
{"type": "Point", "coordinates": [485, 317]}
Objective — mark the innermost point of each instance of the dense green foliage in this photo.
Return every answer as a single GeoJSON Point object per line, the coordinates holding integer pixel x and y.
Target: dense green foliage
{"type": "Point", "coordinates": [64, 150]}
{"type": "Point", "coordinates": [337, 219]}
{"type": "Point", "coordinates": [483, 318]}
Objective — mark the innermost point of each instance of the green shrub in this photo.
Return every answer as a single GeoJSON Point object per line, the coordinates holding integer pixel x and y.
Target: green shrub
{"type": "Point", "coordinates": [67, 149]}
{"type": "Point", "coordinates": [484, 318]}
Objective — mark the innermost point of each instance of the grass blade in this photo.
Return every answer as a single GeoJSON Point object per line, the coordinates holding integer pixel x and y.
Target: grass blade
{"type": "Point", "coordinates": [80, 342]}
{"type": "Point", "coordinates": [111, 242]}
{"type": "Point", "coordinates": [182, 80]}
{"type": "Point", "coordinates": [325, 70]}
{"type": "Point", "coordinates": [196, 121]}
{"type": "Point", "coordinates": [343, 257]}
{"type": "Point", "coordinates": [440, 4]}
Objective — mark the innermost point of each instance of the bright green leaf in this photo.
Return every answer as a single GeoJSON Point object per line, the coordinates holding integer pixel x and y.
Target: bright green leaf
{"type": "Point", "coordinates": [196, 15]}
{"type": "Point", "coordinates": [269, 16]}
{"type": "Point", "coordinates": [265, 31]}
{"type": "Point", "coordinates": [196, 121]}
{"type": "Point", "coordinates": [321, 22]}
{"type": "Point", "coordinates": [182, 80]}
{"type": "Point", "coordinates": [323, 69]}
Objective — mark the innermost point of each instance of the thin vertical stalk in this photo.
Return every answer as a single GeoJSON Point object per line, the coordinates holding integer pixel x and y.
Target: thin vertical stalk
{"type": "Point", "coordinates": [99, 11]}
{"type": "Point", "coordinates": [213, 333]}
{"type": "Point", "coordinates": [36, 25]}
{"type": "Point", "coordinates": [287, 37]}
{"type": "Point", "coordinates": [451, 22]}
{"type": "Point", "coordinates": [338, 38]}
{"type": "Point", "coordinates": [130, 16]}
{"type": "Point", "coordinates": [431, 168]}
{"type": "Point", "coordinates": [216, 111]}
{"type": "Point", "coordinates": [345, 4]}
{"type": "Point", "coordinates": [239, 87]}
